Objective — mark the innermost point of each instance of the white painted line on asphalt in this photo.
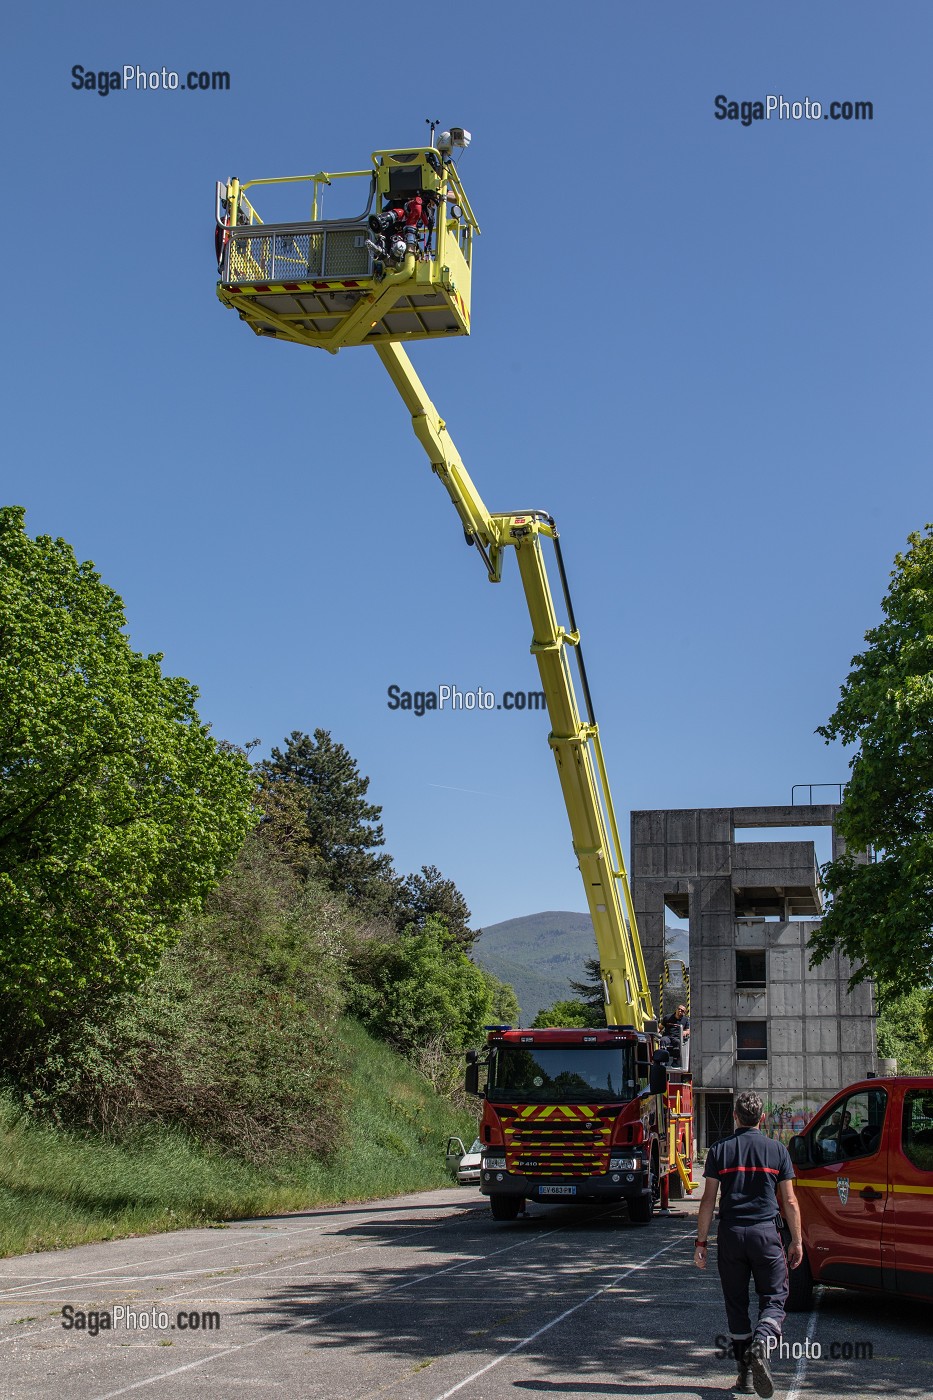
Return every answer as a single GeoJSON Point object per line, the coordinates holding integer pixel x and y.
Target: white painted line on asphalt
{"type": "Point", "coordinates": [321, 1317]}
{"type": "Point", "coordinates": [271, 1238]}
{"type": "Point", "coordinates": [801, 1371]}
{"type": "Point", "coordinates": [287, 1268]}
{"type": "Point", "coordinates": [629, 1269]}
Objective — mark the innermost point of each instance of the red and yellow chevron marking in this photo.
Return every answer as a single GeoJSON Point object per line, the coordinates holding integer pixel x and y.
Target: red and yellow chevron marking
{"type": "Point", "coordinates": [569, 1140]}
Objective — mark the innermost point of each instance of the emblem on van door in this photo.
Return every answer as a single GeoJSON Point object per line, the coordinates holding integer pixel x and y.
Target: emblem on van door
{"type": "Point", "coordinates": [842, 1188]}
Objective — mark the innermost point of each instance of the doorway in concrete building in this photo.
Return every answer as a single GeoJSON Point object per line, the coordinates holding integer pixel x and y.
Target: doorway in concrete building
{"type": "Point", "coordinates": [718, 1117]}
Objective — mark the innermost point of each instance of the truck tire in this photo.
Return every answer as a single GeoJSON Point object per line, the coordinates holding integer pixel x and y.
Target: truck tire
{"type": "Point", "coordinates": [800, 1287]}
{"type": "Point", "coordinates": [505, 1207]}
{"type": "Point", "coordinates": [641, 1209]}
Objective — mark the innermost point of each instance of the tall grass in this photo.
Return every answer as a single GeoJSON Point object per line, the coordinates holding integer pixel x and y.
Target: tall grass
{"type": "Point", "coordinates": [59, 1188]}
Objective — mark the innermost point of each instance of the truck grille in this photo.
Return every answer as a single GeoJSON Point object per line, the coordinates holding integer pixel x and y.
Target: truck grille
{"type": "Point", "coordinates": [556, 1139]}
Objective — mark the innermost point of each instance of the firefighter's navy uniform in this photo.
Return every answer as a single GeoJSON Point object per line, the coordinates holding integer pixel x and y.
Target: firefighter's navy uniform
{"type": "Point", "coordinates": [748, 1167]}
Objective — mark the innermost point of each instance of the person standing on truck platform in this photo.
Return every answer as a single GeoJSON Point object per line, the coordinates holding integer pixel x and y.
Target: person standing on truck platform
{"type": "Point", "coordinates": [754, 1172]}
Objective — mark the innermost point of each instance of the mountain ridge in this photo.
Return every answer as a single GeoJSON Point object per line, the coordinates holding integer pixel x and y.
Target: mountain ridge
{"type": "Point", "coordinates": [540, 954]}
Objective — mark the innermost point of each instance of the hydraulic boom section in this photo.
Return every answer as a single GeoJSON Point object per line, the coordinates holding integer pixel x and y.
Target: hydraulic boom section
{"type": "Point", "coordinates": [574, 740]}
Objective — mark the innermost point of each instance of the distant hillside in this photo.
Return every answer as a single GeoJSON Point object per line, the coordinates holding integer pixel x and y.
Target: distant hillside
{"type": "Point", "coordinates": [540, 954]}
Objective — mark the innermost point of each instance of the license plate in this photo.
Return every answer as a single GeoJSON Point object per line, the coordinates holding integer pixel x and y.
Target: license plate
{"type": "Point", "coordinates": [557, 1190]}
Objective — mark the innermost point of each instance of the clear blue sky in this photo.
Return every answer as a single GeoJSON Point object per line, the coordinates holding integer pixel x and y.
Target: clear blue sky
{"type": "Point", "coordinates": [705, 348]}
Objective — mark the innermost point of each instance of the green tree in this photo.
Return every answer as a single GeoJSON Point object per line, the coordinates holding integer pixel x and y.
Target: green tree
{"type": "Point", "coordinates": [504, 1009]}
{"type": "Point", "coordinates": [343, 829]}
{"type": "Point", "coordinates": [430, 893]}
{"type": "Point", "coordinates": [568, 1014]}
{"type": "Point", "coordinates": [118, 811]}
{"type": "Point", "coordinates": [905, 1030]}
{"type": "Point", "coordinates": [415, 988]}
{"type": "Point", "coordinates": [881, 914]}
{"type": "Point", "coordinates": [590, 991]}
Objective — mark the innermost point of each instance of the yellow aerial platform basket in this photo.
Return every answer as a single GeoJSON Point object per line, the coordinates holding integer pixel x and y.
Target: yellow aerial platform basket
{"type": "Point", "coordinates": [315, 282]}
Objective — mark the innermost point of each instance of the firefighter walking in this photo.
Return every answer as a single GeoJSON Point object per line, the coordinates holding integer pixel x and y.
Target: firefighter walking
{"type": "Point", "coordinates": [754, 1173]}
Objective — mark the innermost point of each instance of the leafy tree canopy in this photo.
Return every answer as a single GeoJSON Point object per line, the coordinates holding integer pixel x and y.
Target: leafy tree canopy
{"type": "Point", "coordinates": [416, 987]}
{"type": "Point", "coordinates": [567, 1014]}
{"type": "Point", "coordinates": [905, 1030]}
{"type": "Point", "coordinates": [343, 829]}
{"type": "Point", "coordinates": [504, 1009]}
{"type": "Point", "coordinates": [118, 811]}
{"type": "Point", "coordinates": [881, 915]}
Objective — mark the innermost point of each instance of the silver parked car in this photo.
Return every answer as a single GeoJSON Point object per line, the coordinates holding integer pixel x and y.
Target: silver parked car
{"type": "Point", "coordinates": [462, 1164]}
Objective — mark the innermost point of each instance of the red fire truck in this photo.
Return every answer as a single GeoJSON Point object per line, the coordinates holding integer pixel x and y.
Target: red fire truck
{"type": "Point", "coordinates": [577, 1116]}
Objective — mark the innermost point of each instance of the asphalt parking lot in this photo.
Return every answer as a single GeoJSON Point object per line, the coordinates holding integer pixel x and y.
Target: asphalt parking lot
{"type": "Point", "coordinates": [422, 1298]}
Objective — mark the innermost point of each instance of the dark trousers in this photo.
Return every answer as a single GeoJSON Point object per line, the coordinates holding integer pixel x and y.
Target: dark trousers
{"type": "Point", "coordinates": [752, 1251]}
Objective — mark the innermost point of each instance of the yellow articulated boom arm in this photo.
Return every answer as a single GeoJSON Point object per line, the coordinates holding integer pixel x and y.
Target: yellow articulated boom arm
{"type": "Point", "coordinates": [574, 741]}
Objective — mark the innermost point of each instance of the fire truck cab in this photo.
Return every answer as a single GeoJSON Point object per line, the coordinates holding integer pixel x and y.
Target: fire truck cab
{"type": "Point", "coordinates": [576, 1116]}
{"type": "Point", "coordinates": [864, 1168]}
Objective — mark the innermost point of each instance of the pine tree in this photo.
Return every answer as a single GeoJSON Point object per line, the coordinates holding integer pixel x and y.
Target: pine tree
{"type": "Point", "coordinates": [430, 893]}
{"type": "Point", "coordinates": [344, 830]}
{"type": "Point", "coordinates": [590, 991]}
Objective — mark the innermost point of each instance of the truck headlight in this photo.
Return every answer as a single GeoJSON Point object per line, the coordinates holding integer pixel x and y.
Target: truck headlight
{"type": "Point", "coordinates": [494, 1164]}
{"type": "Point", "coordinates": [624, 1164]}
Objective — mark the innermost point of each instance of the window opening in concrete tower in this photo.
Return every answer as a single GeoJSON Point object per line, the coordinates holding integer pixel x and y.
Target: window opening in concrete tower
{"type": "Point", "coordinates": [751, 1039]}
{"type": "Point", "coordinates": [750, 967]}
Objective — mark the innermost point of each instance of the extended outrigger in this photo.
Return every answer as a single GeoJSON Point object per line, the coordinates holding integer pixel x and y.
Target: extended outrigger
{"type": "Point", "coordinates": [556, 1119]}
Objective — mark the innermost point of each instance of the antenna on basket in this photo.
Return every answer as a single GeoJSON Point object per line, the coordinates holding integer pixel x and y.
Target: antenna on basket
{"type": "Point", "coordinates": [433, 125]}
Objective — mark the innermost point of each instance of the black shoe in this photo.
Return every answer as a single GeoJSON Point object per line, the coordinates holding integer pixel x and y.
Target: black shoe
{"type": "Point", "coordinates": [743, 1381]}
{"type": "Point", "coordinates": [761, 1369]}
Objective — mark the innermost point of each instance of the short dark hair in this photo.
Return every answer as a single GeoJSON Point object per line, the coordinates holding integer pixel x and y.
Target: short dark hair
{"type": "Point", "coordinates": [748, 1108]}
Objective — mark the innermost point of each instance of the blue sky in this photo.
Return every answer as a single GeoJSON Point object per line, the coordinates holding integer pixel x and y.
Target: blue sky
{"type": "Point", "coordinates": [703, 347]}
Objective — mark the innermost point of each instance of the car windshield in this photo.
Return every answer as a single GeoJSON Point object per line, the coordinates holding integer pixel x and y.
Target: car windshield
{"type": "Point", "coordinates": [562, 1073]}
{"type": "Point", "coordinates": [477, 1147]}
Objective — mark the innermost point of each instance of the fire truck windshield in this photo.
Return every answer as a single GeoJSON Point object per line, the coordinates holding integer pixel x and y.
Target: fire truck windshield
{"type": "Point", "coordinates": [562, 1074]}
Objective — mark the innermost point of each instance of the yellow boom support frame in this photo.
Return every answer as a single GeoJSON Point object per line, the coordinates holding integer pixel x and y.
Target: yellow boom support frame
{"type": "Point", "coordinates": [574, 740]}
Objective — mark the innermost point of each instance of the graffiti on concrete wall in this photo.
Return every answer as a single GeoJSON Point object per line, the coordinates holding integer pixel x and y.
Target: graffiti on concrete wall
{"type": "Point", "coordinates": [785, 1120]}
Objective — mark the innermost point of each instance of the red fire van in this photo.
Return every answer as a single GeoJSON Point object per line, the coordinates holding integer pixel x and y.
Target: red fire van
{"type": "Point", "coordinates": [864, 1169]}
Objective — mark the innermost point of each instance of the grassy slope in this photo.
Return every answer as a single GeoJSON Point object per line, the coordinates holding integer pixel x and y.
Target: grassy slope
{"type": "Point", "coordinates": [61, 1189]}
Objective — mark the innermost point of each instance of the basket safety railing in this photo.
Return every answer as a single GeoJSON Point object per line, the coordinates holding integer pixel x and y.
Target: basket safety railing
{"type": "Point", "coordinates": [318, 247]}
{"type": "Point", "coordinates": [297, 252]}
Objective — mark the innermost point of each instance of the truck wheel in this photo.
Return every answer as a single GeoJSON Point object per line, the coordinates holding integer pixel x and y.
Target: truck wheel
{"type": "Point", "coordinates": [800, 1287]}
{"type": "Point", "coordinates": [641, 1210]}
{"type": "Point", "coordinates": [505, 1207]}
{"type": "Point", "coordinates": [675, 1188]}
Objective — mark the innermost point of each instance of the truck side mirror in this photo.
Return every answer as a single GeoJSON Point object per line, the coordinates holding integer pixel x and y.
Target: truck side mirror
{"type": "Point", "coordinates": [657, 1078]}
{"type": "Point", "coordinates": [800, 1152]}
{"type": "Point", "coordinates": [471, 1078]}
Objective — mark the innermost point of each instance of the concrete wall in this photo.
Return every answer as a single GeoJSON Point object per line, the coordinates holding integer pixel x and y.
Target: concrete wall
{"type": "Point", "coordinates": [820, 1035]}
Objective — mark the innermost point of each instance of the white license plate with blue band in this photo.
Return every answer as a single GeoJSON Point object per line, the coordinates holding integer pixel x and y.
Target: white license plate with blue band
{"type": "Point", "coordinates": [557, 1190]}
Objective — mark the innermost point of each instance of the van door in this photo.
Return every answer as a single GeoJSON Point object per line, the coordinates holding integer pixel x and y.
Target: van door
{"type": "Point", "coordinates": [847, 1191]}
{"type": "Point", "coordinates": [912, 1194]}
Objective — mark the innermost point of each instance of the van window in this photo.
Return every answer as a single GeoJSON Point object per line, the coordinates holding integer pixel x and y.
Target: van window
{"type": "Point", "coordinates": [918, 1128]}
{"type": "Point", "coordinates": [852, 1128]}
